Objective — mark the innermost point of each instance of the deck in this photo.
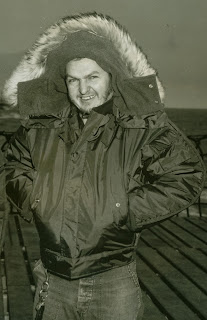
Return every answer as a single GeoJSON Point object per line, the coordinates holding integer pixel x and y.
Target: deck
{"type": "Point", "coordinates": [172, 269]}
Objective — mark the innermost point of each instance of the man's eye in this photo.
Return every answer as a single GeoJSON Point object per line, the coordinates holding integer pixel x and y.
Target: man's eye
{"type": "Point", "coordinates": [72, 80]}
{"type": "Point", "coordinates": [93, 77]}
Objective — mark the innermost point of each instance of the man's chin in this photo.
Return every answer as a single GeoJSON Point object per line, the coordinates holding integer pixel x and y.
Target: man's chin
{"type": "Point", "coordinates": [86, 109]}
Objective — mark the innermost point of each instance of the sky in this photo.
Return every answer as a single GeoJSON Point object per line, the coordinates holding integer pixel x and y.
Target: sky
{"type": "Point", "coordinates": [171, 32]}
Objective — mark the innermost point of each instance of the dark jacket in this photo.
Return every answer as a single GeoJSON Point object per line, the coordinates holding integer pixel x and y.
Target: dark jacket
{"type": "Point", "coordinates": [92, 189]}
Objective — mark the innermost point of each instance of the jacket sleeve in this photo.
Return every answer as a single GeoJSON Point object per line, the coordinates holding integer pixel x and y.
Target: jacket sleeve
{"type": "Point", "coordinates": [169, 180]}
{"type": "Point", "coordinates": [19, 172]}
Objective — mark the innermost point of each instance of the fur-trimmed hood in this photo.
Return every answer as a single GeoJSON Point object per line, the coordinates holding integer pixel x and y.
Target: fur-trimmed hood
{"type": "Point", "coordinates": [32, 65]}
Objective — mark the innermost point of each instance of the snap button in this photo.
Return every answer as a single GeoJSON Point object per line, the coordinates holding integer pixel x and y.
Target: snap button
{"type": "Point", "coordinates": [35, 204]}
{"type": "Point", "coordinates": [75, 156]}
{"type": "Point", "coordinates": [150, 86]}
{"type": "Point", "coordinates": [156, 101]}
{"type": "Point", "coordinates": [118, 204]}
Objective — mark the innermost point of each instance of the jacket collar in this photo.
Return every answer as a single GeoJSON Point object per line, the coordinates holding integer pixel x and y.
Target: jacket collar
{"type": "Point", "coordinates": [73, 126]}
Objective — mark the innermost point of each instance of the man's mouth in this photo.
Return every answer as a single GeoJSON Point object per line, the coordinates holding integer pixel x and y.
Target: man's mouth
{"type": "Point", "coordinates": [86, 98]}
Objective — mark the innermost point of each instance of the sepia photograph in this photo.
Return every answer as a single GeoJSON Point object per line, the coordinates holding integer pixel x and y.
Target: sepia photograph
{"type": "Point", "coordinates": [103, 160]}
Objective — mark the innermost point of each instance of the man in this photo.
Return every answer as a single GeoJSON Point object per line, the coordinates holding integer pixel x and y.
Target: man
{"type": "Point", "coordinates": [95, 161]}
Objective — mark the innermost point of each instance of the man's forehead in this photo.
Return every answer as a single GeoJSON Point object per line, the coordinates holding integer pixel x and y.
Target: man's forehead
{"type": "Point", "coordinates": [82, 67]}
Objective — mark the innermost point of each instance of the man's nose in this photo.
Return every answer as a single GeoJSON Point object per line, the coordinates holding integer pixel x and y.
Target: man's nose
{"type": "Point", "coordinates": [83, 86]}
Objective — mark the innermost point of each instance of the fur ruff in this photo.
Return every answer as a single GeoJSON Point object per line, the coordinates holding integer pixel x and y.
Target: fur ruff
{"type": "Point", "coordinates": [32, 65]}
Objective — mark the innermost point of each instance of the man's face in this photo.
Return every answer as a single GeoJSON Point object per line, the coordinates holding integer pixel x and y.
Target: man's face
{"type": "Point", "coordinates": [89, 86]}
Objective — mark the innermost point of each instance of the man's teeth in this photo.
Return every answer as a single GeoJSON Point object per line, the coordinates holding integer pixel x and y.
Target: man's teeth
{"type": "Point", "coordinates": [87, 98]}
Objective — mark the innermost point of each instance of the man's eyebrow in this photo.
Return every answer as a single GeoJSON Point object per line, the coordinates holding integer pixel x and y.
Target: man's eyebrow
{"type": "Point", "coordinates": [93, 72]}
{"type": "Point", "coordinates": [70, 76]}
{"type": "Point", "coordinates": [88, 75]}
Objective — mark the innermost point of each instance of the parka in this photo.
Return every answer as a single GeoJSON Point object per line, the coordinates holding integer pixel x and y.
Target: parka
{"type": "Point", "coordinates": [91, 189]}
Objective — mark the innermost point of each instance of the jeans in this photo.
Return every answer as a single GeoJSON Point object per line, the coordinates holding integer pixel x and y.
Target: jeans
{"type": "Point", "coordinates": [111, 295]}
